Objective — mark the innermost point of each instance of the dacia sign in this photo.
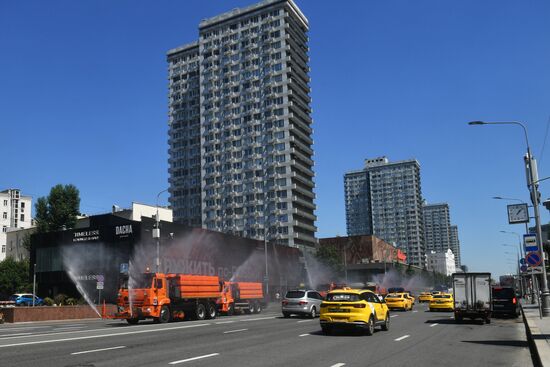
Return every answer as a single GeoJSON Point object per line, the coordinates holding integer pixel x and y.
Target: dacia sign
{"type": "Point", "coordinates": [124, 230]}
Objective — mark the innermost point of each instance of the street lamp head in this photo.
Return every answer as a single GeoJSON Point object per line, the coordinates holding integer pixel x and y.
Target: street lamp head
{"type": "Point", "coordinates": [476, 123]}
{"type": "Point", "coordinates": [497, 197]}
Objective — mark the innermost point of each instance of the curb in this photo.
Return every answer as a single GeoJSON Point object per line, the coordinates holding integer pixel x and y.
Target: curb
{"type": "Point", "coordinates": [538, 344]}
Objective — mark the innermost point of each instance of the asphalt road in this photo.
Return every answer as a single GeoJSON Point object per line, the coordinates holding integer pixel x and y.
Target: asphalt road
{"type": "Point", "coordinates": [418, 338]}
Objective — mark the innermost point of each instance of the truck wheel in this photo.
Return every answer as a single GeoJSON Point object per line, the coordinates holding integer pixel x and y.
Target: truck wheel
{"type": "Point", "coordinates": [370, 327]}
{"type": "Point", "coordinates": [258, 307]}
{"type": "Point", "coordinates": [251, 308]}
{"type": "Point", "coordinates": [386, 324]}
{"type": "Point", "coordinates": [132, 321]}
{"type": "Point", "coordinates": [326, 329]}
{"type": "Point", "coordinates": [286, 315]}
{"type": "Point", "coordinates": [164, 315]}
{"type": "Point", "coordinates": [487, 320]}
{"type": "Point", "coordinates": [211, 311]}
{"type": "Point", "coordinates": [458, 319]}
{"type": "Point", "coordinates": [200, 312]}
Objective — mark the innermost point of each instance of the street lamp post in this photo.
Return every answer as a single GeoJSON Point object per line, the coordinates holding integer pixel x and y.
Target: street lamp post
{"type": "Point", "coordinates": [532, 184]}
{"type": "Point", "coordinates": [156, 232]}
{"type": "Point", "coordinates": [33, 284]}
{"type": "Point", "coordinates": [517, 264]}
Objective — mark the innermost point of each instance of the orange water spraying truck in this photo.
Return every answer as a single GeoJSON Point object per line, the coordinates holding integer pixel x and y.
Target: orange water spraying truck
{"type": "Point", "coordinates": [241, 296]}
{"type": "Point", "coordinates": [167, 297]}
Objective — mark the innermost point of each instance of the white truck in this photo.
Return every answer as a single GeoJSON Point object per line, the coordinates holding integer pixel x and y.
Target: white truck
{"type": "Point", "coordinates": [472, 296]}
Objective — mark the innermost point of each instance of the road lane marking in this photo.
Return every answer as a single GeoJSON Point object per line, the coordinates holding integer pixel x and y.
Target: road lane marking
{"type": "Point", "coordinates": [9, 335]}
{"type": "Point", "coordinates": [195, 358]}
{"type": "Point", "coordinates": [432, 325]}
{"type": "Point", "coordinates": [394, 315]}
{"type": "Point", "coordinates": [304, 334]}
{"type": "Point", "coordinates": [97, 350]}
{"type": "Point", "coordinates": [99, 336]}
{"type": "Point", "coordinates": [260, 318]}
{"type": "Point", "coordinates": [305, 321]}
{"type": "Point", "coordinates": [67, 328]}
{"type": "Point", "coordinates": [452, 317]}
{"type": "Point", "coordinates": [338, 365]}
{"type": "Point", "coordinates": [224, 322]}
{"type": "Point", "coordinates": [415, 311]}
{"type": "Point", "coordinates": [234, 331]}
{"type": "Point", "coordinates": [401, 338]}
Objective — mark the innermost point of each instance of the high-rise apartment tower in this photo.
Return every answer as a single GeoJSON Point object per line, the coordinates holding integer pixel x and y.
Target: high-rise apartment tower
{"type": "Point", "coordinates": [385, 199]}
{"type": "Point", "coordinates": [240, 126]}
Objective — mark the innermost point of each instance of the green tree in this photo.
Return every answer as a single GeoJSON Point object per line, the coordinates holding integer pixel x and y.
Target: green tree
{"type": "Point", "coordinates": [59, 209]}
{"type": "Point", "coordinates": [331, 257]}
{"type": "Point", "coordinates": [14, 277]}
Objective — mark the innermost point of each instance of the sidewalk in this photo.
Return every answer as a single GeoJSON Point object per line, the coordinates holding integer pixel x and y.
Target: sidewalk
{"type": "Point", "coordinates": [538, 334]}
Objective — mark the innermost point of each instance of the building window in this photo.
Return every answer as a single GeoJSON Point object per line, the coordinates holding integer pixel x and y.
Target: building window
{"type": "Point", "coordinates": [4, 229]}
{"type": "Point", "coordinates": [5, 215]}
{"type": "Point", "coordinates": [22, 217]}
{"type": "Point", "coordinates": [3, 249]}
{"type": "Point", "coordinates": [22, 205]}
{"type": "Point", "coordinates": [5, 203]}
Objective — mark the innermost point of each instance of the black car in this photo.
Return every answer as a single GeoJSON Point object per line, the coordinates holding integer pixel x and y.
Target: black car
{"type": "Point", "coordinates": [505, 301]}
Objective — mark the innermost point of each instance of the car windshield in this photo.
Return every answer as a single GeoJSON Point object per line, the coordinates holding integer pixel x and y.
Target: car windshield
{"type": "Point", "coordinates": [343, 297]}
{"type": "Point", "coordinates": [13, 297]}
{"type": "Point", "coordinates": [143, 281]}
{"type": "Point", "coordinates": [503, 293]}
{"type": "Point", "coordinates": [295, 294]}
{"type": "Point", "coordinates": [442, 296]}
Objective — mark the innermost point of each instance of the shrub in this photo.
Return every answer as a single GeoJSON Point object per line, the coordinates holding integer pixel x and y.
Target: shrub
{"type": "Point", "coordinates": [71, 301]}
{"type": "Point", "coordinates": [82, 301]}
{"type": "Point", "coordinates": [48, 301]}
{"type": "Point", "coordinates": [60, 299]}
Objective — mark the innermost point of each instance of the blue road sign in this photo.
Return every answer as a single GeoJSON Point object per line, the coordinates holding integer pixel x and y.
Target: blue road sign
{"type": "Point", "coordinates": [522, 261]}
{"type": "Point", "coordinates": [530, 243]}
{"type": "Point", "coordinates": [523, 268]}
{"type": "Point", "coordinates": [533, 259]}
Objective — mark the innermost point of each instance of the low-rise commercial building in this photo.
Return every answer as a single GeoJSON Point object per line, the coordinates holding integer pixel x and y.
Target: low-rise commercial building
{"type": "Point", "coordinates": [441, 262]}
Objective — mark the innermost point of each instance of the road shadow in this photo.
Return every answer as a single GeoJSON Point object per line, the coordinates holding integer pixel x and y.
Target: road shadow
{"type": "Point", "coordinates": [449, 321]}
{"type": "Point", "coordinates": [355, 333]}
{"type": "Point", "coordinates": [501, 343]}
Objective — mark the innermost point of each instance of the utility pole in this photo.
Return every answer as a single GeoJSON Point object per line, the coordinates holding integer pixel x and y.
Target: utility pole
{"type": "Point", "coordinates": [156, 232]}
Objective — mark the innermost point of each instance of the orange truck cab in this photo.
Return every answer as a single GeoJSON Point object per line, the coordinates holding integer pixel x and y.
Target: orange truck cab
{"type": "Point", "coordinates": [167, 297]}
{"type": "Point", "coordinates": [241, 296]}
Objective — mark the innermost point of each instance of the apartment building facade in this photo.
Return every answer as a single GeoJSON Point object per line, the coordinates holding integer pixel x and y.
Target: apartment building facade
{"type": "Point", "coordinates": [437, 226]}
{"type": "Point", "coordinates": [240, 126]}
{"type": "Point", "coordinates": [385, 199]}
{"type": "Point", "coordinates": [15, 212]}
{"type": "Point", "coordinates": [455, 246]}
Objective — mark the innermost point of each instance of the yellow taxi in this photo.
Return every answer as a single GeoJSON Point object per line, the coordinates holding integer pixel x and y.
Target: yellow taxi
{"type": "Point", "coordinates": [400, 301]}
{"type": "Point", "coordinates": [411, 297]}
{"type": "Point", "coordinates": [443, 301]}
{"type": "Point", "coordinates": [353, 308]}
{"type": "Point", "coordinates": [425, 297]}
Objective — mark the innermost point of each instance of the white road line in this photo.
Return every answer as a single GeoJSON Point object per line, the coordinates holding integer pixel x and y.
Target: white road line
{"type": "Point", "coordinates": [304, 334]}
{"type": "Point", "coordinates": [338, 365]}
{"type": "Point", "coordinates": [8, 335]}
{"type": "Point", "coordinates": [24, 328]}
{"type": "Point", "coordinates": [195, 358]}
{"type": "Point", "coordinates": [401, 338]}
{"type": "Point", "coordinates": [234, 331]}
{"type": "Point", "coordinates": [224, 322]}
{"type": "Point", "coordinates": [305, 321]}
{"type": "Point", "coordinates": [68, 328]}
{"type": "Point", "coordinates": [415, 311]}
{"type": "Point", "coordinates": [452, 317]}
{"type": "Point", "coordinates": [97, 350]}
{"type": "Point", "coordinates": [432, 325]}
{"type": "Point", "coordinates": [260, 318]}
{"type": "Point", "coordinates": [100, 336]}
{"type": "Point", "coordinates": [394, 315]}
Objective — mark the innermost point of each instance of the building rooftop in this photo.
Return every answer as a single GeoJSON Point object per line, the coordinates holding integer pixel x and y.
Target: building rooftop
{"type": "Point", "coordinates": [182, 48]}
{"type": "Point", "coordinates": [237, 12]}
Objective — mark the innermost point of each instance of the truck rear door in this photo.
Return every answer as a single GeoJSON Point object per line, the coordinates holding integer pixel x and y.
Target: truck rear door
{"type": "Point", "coordinates": [460, 291]}
{"type": "Point", "coordinates": [482, 291]}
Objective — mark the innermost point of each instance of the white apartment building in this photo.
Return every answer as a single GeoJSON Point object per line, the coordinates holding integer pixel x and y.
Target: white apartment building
{"type": "Point", "coordinates": [15, 212]}
{"type": "Point", "coordinates": [441, 262]}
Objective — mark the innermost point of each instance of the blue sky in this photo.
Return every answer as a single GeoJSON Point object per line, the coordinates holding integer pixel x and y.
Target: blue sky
{"type": "Point", "coordinates": [83, 100]}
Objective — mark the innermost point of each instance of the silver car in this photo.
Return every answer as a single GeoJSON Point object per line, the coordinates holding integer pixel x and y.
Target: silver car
{"type": "Point", "coordinates": [301, 302]}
